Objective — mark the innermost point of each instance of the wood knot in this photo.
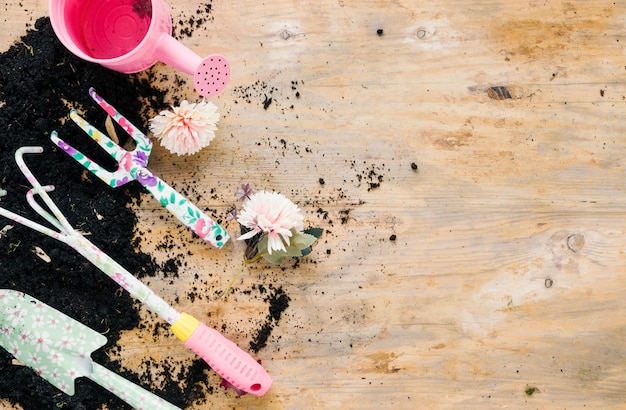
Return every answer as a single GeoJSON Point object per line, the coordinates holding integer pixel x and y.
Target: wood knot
{"type": "Point", "coordinates": [286, 34]}
{"type": "Point", "coordinates": [575, 242]}
{"type": "Point", "coordinates": [499, 93]}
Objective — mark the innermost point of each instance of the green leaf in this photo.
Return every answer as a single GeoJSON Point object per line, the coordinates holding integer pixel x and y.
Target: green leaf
{"type": "Point", "coordinates": [277, 257]}
{"type": "Point", "coordinates": [292, 251]}
{"type": "Point", "coordinates": [302, 240]}
{"type": "Point", "coordinates": [274, 258]}
{"type": "Point", "coordinates": [317, 232]}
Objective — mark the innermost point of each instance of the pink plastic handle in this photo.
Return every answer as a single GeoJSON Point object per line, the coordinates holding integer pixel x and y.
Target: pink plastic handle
{"type": "Point", "coordinates": [229, 361]}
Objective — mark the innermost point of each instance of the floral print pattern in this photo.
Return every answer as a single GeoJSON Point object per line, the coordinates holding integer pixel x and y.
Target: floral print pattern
{"type": "Point", "coordinates": [61, 357]}
{"type": "Point", "coordinates": [132, 166]}
{"type": "Point", "coordinates": [36, 348]}
{"type": "Point", "coordinates": [125, 279]}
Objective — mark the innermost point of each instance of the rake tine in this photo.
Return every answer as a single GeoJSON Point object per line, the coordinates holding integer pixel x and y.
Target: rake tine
{"type": "Point", "coordinates": [57, 220]}
{"type": "Point", "coordinates": [101, 138]}
{"type": "Point", "coordinates": [31, 224]}
{"type": "Point", "coordinates": [143, 142]}
{"type": "Point", "coordinates": [113, 179]}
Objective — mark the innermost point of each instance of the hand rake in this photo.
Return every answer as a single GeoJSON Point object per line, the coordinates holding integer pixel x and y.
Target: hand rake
{"type": "Point", "coordinates": [132, 166]}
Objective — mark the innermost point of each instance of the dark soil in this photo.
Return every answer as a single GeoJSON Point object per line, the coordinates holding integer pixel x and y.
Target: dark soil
{"type": "Point", "coordinates": [37, 75]}
{"type": "Point", "coordinates": [39, 82]}
{"type": "Point", "coordinates": [278, 303]}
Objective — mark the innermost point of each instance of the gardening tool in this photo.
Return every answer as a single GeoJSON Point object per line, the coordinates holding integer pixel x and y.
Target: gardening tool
{"type": "Point", "coordinates": [132, 166]}
{"type": "Point", "coordinates": [130, 36]}
{"type": "Point", "coordinates": [236, 366]}
{"type": "Point", "coordinates": [59, 349]}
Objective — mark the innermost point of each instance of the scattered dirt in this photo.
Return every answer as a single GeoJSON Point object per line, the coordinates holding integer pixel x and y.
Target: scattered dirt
{"type": "Point", "coordinates": [39, 82]}
{"type": "Point", "coordinates": [278, 303]}
{"type": "Point", "coordinates": [267, 95]}
{"type": "Point", "coordinates": [186, 25]}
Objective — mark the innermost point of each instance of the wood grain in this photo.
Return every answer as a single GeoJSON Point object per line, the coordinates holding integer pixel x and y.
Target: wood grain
{"type": "Point", "coordinates": [507, 270]}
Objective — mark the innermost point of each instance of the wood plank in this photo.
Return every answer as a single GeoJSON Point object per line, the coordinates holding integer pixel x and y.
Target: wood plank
{"type": "Point", "coordinates": [508, 264]}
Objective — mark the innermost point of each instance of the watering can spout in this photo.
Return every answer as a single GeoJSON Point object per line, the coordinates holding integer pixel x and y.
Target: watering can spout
{"type": "Point", "coordinates": [210, 74]}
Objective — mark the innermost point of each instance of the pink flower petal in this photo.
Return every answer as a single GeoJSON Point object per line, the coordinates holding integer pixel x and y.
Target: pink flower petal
{"type": "Point", "coordinates": [273, 214]}
{"type": "Point", "coordinates": [187, 128]}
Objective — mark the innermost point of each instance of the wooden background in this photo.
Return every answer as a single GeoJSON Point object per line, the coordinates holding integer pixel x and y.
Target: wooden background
{"type": "Point", "coordinates": [508, 268]}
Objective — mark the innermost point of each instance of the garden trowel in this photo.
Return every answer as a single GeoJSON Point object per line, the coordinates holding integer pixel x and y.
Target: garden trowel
{"type": "Point", "coordinates": [59, 349]}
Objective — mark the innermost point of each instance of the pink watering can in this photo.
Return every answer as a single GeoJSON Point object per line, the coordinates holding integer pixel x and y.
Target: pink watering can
{"type": "Point", "coordinates": [130, 36]}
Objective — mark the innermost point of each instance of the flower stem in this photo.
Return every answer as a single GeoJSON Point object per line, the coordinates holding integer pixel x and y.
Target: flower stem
{"type": "Point", "coordinates": [243, 265]}
{"type": "Point", "coordinates": [230, 285]}
{"type": "Point", "coordinates": [256, 258]}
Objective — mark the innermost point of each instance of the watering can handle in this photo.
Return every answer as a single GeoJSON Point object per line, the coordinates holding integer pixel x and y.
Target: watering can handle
{"type": "Point", "coordinates": [131, 393]}
{"type": "Point", "coordinates": [225, 358]}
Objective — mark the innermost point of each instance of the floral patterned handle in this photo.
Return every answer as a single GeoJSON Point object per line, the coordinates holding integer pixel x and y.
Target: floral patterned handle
{"type": "Point", "coordinates": [133, 166]}
{"type": "Point", "coordinates": [186, 212]}
{"type": "Point", "coordinates": [131, 393]}
{"type": "Point", "coordinates": [225, 357]}
{"type": "Point", "coordinates": [122, 277]}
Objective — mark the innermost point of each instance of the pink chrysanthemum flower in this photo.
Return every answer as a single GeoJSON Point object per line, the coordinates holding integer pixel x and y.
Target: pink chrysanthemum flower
{"type": "Point", "coordinates": [187, 128]}
{"type": "Point", "coordinates": [272, 214]}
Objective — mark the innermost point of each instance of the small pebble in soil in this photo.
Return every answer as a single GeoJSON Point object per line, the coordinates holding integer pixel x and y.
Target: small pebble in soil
{"type": "Point", "coordinates": [413, 166]}
{"type": "Point", "coordinates": [393, 237]}
{"type": "Point", "coordinates": [322, 182]}
{"type": "Point", "coordinates": [380, 32]}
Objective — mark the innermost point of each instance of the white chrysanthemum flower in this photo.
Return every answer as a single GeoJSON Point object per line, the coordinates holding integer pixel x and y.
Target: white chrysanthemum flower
{"type": "Point", "coordinates": [274, 215]}
{"type": "Point", "coordinates": [187, 128]}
